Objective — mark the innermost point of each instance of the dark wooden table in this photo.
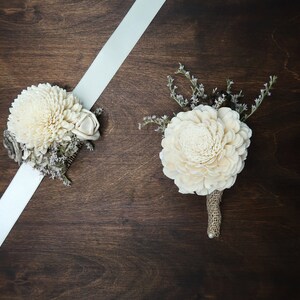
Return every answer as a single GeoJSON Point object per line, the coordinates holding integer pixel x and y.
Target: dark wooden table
{"type": "Point", "coordinates": [122, 231]}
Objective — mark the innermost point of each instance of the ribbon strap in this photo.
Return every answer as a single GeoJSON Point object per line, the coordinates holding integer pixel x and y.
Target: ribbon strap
{"type": "Point", "coordinates": [88, 90]}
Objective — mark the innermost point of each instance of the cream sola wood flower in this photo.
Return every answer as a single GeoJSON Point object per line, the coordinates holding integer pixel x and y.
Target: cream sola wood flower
{"type": "Point", "coordinates": [49, 125]}
{"type": "Point", "coordinates": [204, 147]}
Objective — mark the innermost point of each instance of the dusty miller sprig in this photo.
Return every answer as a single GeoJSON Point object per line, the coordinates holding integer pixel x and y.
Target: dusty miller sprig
{"type": "Point", "coordinates": [198, 92]}
{"type": "Point", "coordinates": [183, 102]}
{"type": "Point", "coordinates": [263, 93]}
{"type": "Point", "coordinates": [58, 158]}
{"type": "Point", "coordinates": [162, 122]}
{"type": "Point", "coordinates": [216, 99]}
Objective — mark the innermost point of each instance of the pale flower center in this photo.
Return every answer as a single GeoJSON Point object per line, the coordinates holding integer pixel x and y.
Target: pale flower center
{"type": "Point", "coordinates": [198, 144]}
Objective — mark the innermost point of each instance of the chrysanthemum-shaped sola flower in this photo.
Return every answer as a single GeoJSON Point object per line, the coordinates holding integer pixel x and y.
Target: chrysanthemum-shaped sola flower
{"type": "Point", "coordinates": [204, 149]}
{"type": "Point", "coordinates": [44, 115]}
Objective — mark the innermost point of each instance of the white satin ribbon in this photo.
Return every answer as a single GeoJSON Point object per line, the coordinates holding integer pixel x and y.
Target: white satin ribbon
{"type": "Point", "coordinates": [88, 90]}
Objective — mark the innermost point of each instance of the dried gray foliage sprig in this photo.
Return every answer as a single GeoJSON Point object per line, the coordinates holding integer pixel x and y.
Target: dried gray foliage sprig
{"type": "Point", "coordinates": [205, 145]}
{"type": "Point", "coordinates": [47, 126]}
{"type": "Point", "coordinates": [263, 93]}
{"type": "Point", "coordinates": [162, 122]}
{"type": "Point", "coordinates": [217, 99]}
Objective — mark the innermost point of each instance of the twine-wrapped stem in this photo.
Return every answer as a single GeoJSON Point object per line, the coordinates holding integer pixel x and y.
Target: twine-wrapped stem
{"type": "Point", "coordinates": [213, 201]}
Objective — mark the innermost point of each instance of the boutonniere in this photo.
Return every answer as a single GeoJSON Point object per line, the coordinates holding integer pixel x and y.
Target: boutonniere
{"type": "Point", "coordinates": [205, 145]}
{"type": "Point", "coordinates": [46, 128]}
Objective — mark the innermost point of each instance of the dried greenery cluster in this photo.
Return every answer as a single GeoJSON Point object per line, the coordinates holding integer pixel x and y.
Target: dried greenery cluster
{"type": "Point", "coordinates": [55, 162]}
{"type": "Point", "coordinates": [58, 159]}
{"type": "Point", "coordinates": [217, 99]}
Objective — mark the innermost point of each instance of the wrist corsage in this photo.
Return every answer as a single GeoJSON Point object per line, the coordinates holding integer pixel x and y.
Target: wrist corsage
{"type": "Point", "coordinates": [205, 145]}
{"type": "Point", "coordinates": [46, 127]}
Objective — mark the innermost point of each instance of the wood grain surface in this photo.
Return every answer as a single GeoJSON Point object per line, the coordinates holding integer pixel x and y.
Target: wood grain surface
{"type": "Point", "coordinates": [122, 231]}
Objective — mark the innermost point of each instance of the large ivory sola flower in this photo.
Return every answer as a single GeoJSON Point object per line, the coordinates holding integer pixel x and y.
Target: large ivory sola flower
{"type": "Point", "coordinates": [46, 115]}
{"type": "Point", "coordinates": [204, 149]}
